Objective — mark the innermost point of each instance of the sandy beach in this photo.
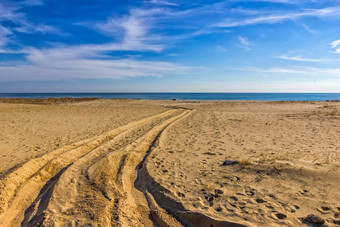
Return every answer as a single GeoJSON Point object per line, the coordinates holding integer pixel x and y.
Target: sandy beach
{"type": "Point", "coordinates": [169, 163]}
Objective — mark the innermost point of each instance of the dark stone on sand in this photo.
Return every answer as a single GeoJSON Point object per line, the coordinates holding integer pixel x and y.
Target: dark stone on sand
{"type": "Point", "coordinates": [313, 219]}
{"type": "Point", "coordinates": [229, 162]}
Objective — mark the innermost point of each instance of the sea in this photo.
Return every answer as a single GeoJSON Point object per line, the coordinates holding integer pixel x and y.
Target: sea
{"type": "Point", "coordinates": [187, 96]}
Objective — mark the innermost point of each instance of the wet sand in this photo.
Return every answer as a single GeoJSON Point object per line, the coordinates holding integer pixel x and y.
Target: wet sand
{"type": "Point", "coordinates": [160, 163]}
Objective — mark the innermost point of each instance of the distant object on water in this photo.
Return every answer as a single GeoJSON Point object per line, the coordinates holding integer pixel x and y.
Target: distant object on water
{"type": "Point", "coordinates": [174, 99]}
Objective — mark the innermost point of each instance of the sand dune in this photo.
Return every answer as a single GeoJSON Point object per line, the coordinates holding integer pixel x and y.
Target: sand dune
{"type": "Point", "coordinates": [161, 164]}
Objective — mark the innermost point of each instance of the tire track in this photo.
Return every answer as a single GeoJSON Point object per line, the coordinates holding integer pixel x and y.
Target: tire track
{"type": "Point", "coordinates": [20, 187]}
{"type": "Point", "coordinates": [101, 188]}
{"type": "Point", "coordinates": [130, 207]}
{"type": "Point", "coordinates": [102, 181]}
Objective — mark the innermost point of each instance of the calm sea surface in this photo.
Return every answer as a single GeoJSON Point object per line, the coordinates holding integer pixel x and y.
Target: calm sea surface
{"type": "Point", "coordinates": [187, 96]}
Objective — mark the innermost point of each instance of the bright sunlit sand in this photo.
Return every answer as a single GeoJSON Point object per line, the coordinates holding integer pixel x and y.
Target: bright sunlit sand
{"type": "Point", "coordinates": [164, 163]}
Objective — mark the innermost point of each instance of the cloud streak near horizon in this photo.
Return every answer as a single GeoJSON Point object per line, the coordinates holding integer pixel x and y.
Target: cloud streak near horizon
{"type": "Point", "coordinates": [47, 41]}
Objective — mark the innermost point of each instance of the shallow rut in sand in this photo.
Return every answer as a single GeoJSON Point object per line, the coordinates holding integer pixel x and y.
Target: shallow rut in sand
{"type": "Point", "coordinates": [19, 188]}
{"type": "Point", "coordinates": [101, 181]}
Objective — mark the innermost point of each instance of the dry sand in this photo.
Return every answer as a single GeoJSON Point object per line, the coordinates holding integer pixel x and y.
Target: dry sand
{"type": "Point", "coordinates": [159, 163]}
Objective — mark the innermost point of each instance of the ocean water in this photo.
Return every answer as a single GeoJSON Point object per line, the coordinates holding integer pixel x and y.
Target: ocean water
{"type": "Point", "coordinates": [186, 96]}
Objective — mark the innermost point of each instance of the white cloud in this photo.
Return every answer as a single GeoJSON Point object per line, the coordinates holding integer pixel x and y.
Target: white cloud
{"type": "Point", "coordinates": [161, 2]}
{"type": "Point", "coordinates": [57, 64]}
{"type": "Point", "coordinates": [273, 1]}
{"type": "Point", "coordinates": [244, 41]}
{"type": "Point", "coordinates": [221, 48]}
{"type": "Point", "coordinates": [173, 55]}
{"type": "Point", "coordinates": [272, 70]}
{"type": "Point", "coordinates": [22, 24]}
{"type": "Point", "coordinates": [33, 2]}
{"type": "Point", "coordinates": [335, 45]}
{"type": "Point", "coordinates": [4, 37]}
{"type": "Point", "coordinates": [303, 59]}
{"type": "Point", "coordinates": [280, 1]}
{"type": "Point", "coordinates": [134, 30]}
{"type": "Point", "coordinates": [310, 71]}
{"type": "Point", "coordinates": [265, 18]}
{"type": "Point", "coordinates": [308, 29]}
{"type": "Point", "coordinates": [93, 60]}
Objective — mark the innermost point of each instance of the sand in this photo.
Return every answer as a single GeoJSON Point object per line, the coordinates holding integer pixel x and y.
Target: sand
{"type": "Point", "coordinates": [160, 163]}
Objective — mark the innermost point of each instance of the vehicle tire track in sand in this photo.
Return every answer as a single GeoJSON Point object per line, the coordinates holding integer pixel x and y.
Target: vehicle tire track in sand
{"type": "Point", "coordinates": [103, 182]}
{"type": "Point", "coordinates": [99, 190]}
{"type": "Point", "coordinates": [19, 187]}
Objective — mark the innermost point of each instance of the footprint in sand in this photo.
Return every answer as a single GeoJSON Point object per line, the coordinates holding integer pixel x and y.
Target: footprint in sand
{"type": "Point", "coordinates": [280, 216]}
{"type": "Point", "coordinates": [219, 191]}
{"type": "Point", "coordinates": [218, 209]}
{"type": "Point", "coordinates": [180, 194]}
{"type": "Point", "coordinates": [303, 192]}
{"type": "Point", "coordinates": [324, 209]}
{"type": "Point", "coordinates": [234, 198]}
{"type": "Point", "coordinates": [260, 201]}
{"type": "Point", "coordinates": [272, 196]}
{"type": "Point", "coordinates": [250, 192]}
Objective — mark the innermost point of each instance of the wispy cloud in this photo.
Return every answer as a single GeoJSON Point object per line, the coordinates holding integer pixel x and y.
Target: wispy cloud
{"type": "Point", "coordinates": [70, 65]}
{"type": "Point", "coordinates": [131, 32]}
{"type": "Point", "coordinates": [336, 46]}
{"type": "Point", "coordinates": [273, 1]}
{"type": "Point", "coordinates": [303, 59]}
{"type": "Point", "coordinates": [13, 15]}
{"type": "Point", "coordinates": [273, 18]}
{"type": "Point", "coordinates": [173, 55]}
{"type": "Point", "coordinates": [279, 1]}
{"type": "Point", "coordinates": [33, 2]}
{"type": "Point", "coordinates": [161, 2]}
{"type": "Point", "coordinates": [4, 37]}
{"type": "Point", "coordinates": [335, 43]}
{"type": "Point", "coordinates": [155, 27]}
{"type": "Point", "coordinates": [272, 70]}
{"type": "Point", "coordinates": [134, 30]}
{"type": "Point", "coordinates": [22, 24]}
{"type": "Point", "coordinates": [245, 42]}
{"type": "Point", "coordinates": [221, 48]}
{"type": "Point", "coordinates": [309, 29]}
{"type": "Point", "coordinates": [311, 71]}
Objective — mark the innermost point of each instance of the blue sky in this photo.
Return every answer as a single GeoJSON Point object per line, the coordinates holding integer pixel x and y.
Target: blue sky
{"type": "Point", "coordinates": [170, 46]}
